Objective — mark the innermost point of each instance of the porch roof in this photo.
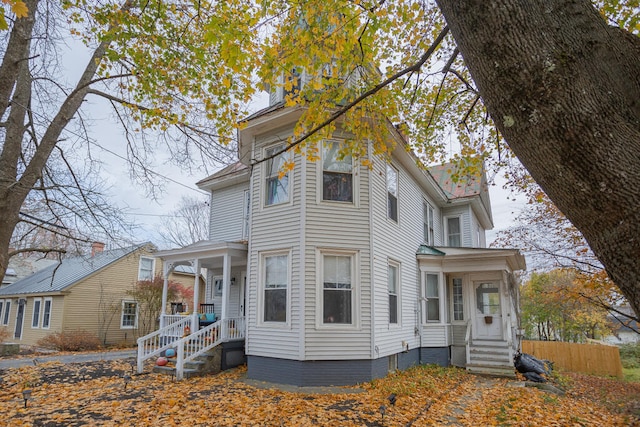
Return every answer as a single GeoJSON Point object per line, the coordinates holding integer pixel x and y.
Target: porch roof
{"type": "Point", "coordinates": [209, 253]}
{"type": "Point", "coordinates": [467, 259]}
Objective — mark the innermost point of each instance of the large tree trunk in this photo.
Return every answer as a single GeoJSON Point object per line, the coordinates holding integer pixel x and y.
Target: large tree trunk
{"type": "Point", "coordinates": [564, 90]}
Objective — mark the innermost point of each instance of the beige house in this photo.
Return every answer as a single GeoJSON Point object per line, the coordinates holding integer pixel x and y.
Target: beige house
{"type": "Point", "coordinates": [83, 293]}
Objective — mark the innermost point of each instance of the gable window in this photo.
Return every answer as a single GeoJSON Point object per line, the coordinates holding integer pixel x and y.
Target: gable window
{"type": "Point", "coordinates": [454, 235]}
{"type": "Point", "coordinates": [432, 292]}
{"type": "Point", "coordinates": [337, 289]}
{"type": "Point", "coordinates": [35, 321]}
{"type": "Point", "coordinates": [428, 224]}
{"type": "Point", "coordinates": [458, 308]}
{"type": "Point", "coordinates": [392, 193]}
{"type": "Point", "coordinates": [393, 283]}
{"type": "Point", "coordinates": [337, 173]}
{"type": "Point", "coordinates": [276, 284]}
{"type": "Point", "coordinates": [129, 318]}
{"type": "Point", "coordinates": [46, 313]}
{"type": "Point", "coordinates": [7, 310]}
{"type": "Point", "coordinates": [145, 271]}
{"type": "Point", "coordinates": [276, 185]}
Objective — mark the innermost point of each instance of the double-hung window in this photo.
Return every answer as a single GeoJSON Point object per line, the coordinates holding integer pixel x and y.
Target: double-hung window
{"type": "Point", "coordinates": [7, 310]}
{"type": "Point", "coordinates": [428, 224]}
{"type": "Point", "coordinates": [454, 234]}
{"type": "Point", "coordinates": [277, 178]}
{"type": "Point", "coordinates": [1, 307]}
{"type": "Point", "coordinates": [458, 307]}
{"type": "Point", "coordinates": [276, 285]}
{"type": "Point", "coordinates": [337, 173]}
{"type": "Point", "coordinates": [129, 319]}
{"type": "Point", "coordinates": [145, 271]}
{"type": "Point", "coordinates": [392, 193]}
{"type": "Point", "coordinates": [46, 313]}
{"type": "Point", "coordinates": [393, 285]}
{"type": "Point", "coordinates": [432, 292]}
{"type": "Point", "coordinates": [337, 289]}
{"type": "Point", "coordinates": [35, 320]}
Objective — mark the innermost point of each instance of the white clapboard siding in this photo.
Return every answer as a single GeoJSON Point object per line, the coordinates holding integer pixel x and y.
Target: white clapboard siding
{"type": "Point", "coordinates": [434, 336]}
{"type": "Point", "coordinates": [227, 208]}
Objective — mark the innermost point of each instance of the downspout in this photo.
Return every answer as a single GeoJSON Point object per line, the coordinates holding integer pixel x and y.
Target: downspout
{"type": "Point", "coordinates": [374, 347]}
{"type": "Point", "coordinates": [302, 254]}
{"type": "Point", "coordinates": [247, 288]}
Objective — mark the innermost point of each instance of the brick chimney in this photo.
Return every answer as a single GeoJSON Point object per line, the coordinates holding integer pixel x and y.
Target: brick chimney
{"type": "Point", "coordinates": [96, 248]}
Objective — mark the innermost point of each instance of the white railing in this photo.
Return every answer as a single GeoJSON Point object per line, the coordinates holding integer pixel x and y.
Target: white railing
{"type": "Point", "coordinates": [156, 342]}
{"type": "Point", "coordinates": [168, 319]}
{"type": "Point", "coordinates": [467, 341]}
{"type": "Point", "coordinates": [196, 344]}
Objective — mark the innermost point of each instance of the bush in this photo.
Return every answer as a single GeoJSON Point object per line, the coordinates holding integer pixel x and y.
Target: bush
{"type": "Point", "coordinates": [4, 334]}
{"type": "Point", "coordinates": [79, 340]}
{"type": "Point", "coordinates": [630, 355]}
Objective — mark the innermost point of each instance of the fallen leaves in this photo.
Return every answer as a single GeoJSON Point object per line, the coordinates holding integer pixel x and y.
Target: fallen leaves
{"type": "Point", "coordinates": [96, 394]}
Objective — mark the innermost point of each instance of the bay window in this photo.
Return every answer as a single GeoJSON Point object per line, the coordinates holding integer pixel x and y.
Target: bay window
{"type": "Point", "coordinates": [276, 284]}
{"type": "Point", "coordinates": [432, 293]}
{"type": "Point", "coordinates": [338, 289]}
{"type": "Point", "coordinates": [277, 179]}
{"type": "Point", "coordinates": [337, 173]}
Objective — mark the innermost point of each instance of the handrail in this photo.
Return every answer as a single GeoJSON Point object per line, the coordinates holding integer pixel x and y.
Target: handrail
{"type": "Point", "coordinates": [152, 344]}
{"type": "Point", "coordinates": [199, 342]}
{"type": "Point", "coordinates": [467, 339]}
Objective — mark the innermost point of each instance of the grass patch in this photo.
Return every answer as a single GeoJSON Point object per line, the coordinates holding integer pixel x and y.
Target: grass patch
{"type": "Point", "coordinates": [631, 375]}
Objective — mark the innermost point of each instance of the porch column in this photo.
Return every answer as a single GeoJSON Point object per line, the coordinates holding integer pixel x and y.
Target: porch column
{"type": "Point", "coordinates": [226, 283]}
{"type": "Point", "coordinates": [196, 295]}
{"type": "Point", "coordinates": [166, 270]}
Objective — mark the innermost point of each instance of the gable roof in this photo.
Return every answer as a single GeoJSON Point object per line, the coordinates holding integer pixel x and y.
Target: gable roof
{"type": "Point", "coordinates": [466, 186]}
{"type": "Point", "coordinates": [60, 276]}
{"type": "Point", "coordinates": [235, 173]}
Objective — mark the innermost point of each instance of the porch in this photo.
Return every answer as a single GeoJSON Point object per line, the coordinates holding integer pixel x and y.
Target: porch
{"type": "Point", "coordinates": [217, 315]}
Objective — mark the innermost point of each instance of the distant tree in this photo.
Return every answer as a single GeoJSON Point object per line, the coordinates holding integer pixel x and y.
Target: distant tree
{"type": "Point", "coordinates": [187, 224]}
{"type": "Point", "coordinates": [558, 305]}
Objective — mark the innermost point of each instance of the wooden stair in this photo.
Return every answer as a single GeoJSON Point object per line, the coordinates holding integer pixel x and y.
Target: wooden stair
{"type": "Point", "coordinates": [490, 358]}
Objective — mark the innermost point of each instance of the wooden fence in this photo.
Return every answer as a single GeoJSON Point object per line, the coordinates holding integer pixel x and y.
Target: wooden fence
{"type": "Point", "coordinates": [598, 359]}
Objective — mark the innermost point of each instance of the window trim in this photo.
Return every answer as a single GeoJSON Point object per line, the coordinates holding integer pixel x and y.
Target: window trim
{"type": "Point", "coordinates": [47, 324]}
{"type": "Point", "coordinates": [447, 234]}
{"type": "Point", "coordinates": [321, 170]}
{"type": "Point", "coordinates": [153, 267]}
{"type": "Point", "coordinates": [389, 168]}
{"type": "Point", "coordinates": [38, 312]}
{"type": "Point", "coordinates": [398, 293]}
{"type": "Point", "coordinates": [440, 287]}
{"type": "Point", "coordinates": [355, 289]}
{"type": "Point", "coordinates": [428, 224]}
{"type": "Point", "coordinates": [122, 314]}
{"type": "Point", "coordinates": [287, 155]}
{"type": "Point", "coordinates": [262, 268]}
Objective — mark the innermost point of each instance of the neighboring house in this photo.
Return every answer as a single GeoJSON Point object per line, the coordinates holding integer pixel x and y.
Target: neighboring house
{"type": "Point", "coordinates": [21, 266]}
{"type": "Point", "coordinates": [81, 293]}
{"type": "Point", "coordinates": [342, 273]}
{"type": "Point", "coordinates": [624, 328]}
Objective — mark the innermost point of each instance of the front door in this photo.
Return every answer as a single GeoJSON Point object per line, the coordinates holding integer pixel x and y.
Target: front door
{"type": "Point", "coordinates": [488, 317]}
{"type": "Point", "coordinates": [22, 303]}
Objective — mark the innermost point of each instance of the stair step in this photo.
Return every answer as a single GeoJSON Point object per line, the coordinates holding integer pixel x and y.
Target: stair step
{"type": "Point", "coordinates": [492, 370]}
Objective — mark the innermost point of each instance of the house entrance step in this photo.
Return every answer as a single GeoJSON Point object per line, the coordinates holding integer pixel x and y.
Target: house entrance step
{"type": "Point", "coordinates": [491, 370]}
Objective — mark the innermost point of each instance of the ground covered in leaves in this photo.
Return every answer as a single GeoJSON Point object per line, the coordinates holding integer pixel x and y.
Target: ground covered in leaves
{"type": "Point", "coordinates": [109, 393]}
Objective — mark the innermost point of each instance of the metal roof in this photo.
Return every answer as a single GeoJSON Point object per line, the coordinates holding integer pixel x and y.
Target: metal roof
{"type": "Point", "coordinates": [60, 276]}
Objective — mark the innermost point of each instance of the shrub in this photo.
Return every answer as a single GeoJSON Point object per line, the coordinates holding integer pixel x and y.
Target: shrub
{"type": "Point", "coordinates": [630, 355]}
{"type": "Point", "coordinates": [79, 340]}
{"type": "Point", "coordinates": [4, 334]}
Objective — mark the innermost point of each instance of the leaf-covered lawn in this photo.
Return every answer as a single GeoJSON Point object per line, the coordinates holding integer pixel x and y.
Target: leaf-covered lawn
{"type": "Point", "coordinates": [96, 394]}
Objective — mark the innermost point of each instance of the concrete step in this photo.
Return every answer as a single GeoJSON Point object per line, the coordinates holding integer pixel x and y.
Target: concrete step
{"type": "Point", "coordinates": [171, 370]}
{"type": "Point", "coordinates": [491, 370]}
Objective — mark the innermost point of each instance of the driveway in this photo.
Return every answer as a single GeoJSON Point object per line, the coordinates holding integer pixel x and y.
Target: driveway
{"type": "Point", "coordinates": [6, 363]}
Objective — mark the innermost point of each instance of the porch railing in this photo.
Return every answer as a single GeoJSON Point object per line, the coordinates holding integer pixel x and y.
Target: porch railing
{"type": "Point", "coordinates": [196, 344]}
{"type": "Point", "coordinates": [156, 342]}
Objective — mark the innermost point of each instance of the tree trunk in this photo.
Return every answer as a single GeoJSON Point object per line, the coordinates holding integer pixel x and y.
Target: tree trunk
{"type": "Point", "coordinates": [564, 90]}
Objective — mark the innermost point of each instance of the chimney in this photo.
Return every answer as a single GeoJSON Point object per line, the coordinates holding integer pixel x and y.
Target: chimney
{"type": "Point", "coordinates": [96, 248]}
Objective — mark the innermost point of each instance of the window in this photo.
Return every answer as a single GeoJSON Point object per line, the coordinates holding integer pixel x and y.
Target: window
{"type": "Point", "coordinates": [245, 215]}
{"type": "Point", "coordinates": [46, 315]}
{"type": "Point", "coordinates": [428, 224]}
{"type": "Point", "coordinates": [129, 315]}
{"type": "Point", "coordinates": [454, 237]}
{"type": "Point", "coordinates": [337, 173]}
{"type": "Point", "coordinates": [277, 182]}
{"type": "Point", "coordinates": [292, 83]}
{"type": "Point", "coordinates": [276, 283]}
{"type": "Point", "coordinates": [433, 298]}
{"type": "Point", "coordinates": [392, 193]}
{"type": "Point", "coordinates": [35, 321]}
{"type": "Point", "coordinates": [145, 271]}
{"type": "Point", "coordinates": [1, 307]}
{"type": "Point", "coordinates": [393, 293]}
{"type": "Point", "coordinates": [458, 308]}
{"type": "Point", "coordinates": [7, 310]}
{"type": "Point", "coordinates": [488, 298]}
{"type": "Point", "coordinates": [337, 289]}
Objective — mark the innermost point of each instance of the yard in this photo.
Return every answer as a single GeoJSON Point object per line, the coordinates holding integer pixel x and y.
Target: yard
{"type": "Point", "coordinates": [108, 393]}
